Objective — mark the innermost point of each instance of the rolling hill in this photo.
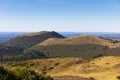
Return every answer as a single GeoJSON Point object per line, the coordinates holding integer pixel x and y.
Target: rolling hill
{"type": "Point", "coordinates": [84, 46]}
{"type": "Point", "coordinates": [78, 40]}
{"type": "Point", "coordinates": [51, 45]}
{"type": "Point", "coordinates": [17, 45]}
{"type": "Point", "coordinates": [28, 40]}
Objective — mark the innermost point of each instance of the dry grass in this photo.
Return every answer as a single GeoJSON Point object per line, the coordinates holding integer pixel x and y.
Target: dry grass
{"type": "Point", "coordinates": [104, 68]}
{"type": "Point", "coordinates": [78, 40]}
{"type": "Point", "coordinates": [100, 69]}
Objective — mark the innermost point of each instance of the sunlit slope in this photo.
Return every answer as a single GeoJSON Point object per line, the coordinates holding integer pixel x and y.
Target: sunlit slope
{"type": "Point", "coordinates": [103, 68]}
{"type": "Point", "coordinates": [106, 68]}
{"type": "Point", "coordinates": [78, 40]}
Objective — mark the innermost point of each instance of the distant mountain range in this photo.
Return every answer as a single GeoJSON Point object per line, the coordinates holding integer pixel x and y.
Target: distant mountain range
{"type": "Point", "coordinates": [5, 36]}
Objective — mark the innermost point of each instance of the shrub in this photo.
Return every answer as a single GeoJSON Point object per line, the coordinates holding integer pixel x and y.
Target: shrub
{"type": "Point", "coordinates": [56, 64]}
{"type": "Point", "coordinates": [7, 75]}
{"type": "Point", "coordinates": [97, 56]}
{"type": "Point", "coordinates": [91, 78]}
{"type": "Point", "coordinates": [50, 68]}
{"type": "Point", "coordinates": [118, 77]}
{"type": "Point", "coordinates": [21, 73]}
{"type": "Point", "coordinates": [44, 69]}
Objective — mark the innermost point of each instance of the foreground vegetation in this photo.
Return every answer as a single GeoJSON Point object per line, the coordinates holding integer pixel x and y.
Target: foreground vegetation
{"type": "Point", "coordinates": [21, 73]}
{"type": "Point", "coordinates": [102, 68]}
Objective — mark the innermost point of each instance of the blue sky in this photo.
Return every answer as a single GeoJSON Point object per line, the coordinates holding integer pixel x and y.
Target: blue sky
{"type": "Point", "coordinates": [60, 15]}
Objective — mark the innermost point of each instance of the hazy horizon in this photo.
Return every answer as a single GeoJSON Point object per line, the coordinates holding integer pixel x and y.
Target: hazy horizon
{"type": "Point", "coordinates": [60, 15]}
{"type": "Point", "coordinates": [70, 32]}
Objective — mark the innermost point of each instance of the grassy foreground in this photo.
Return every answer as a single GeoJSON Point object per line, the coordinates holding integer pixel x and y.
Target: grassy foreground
{"type": "Point", "coordinates": [103, 68]}
{"type": "Point", "coordinates": [21, 73]}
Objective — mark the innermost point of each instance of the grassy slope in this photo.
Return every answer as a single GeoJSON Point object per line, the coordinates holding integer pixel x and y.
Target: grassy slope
{"type": "Point", "coordinates": [17, 45]}
{"type": "Point", "coordinates": [78, 40]}
{"type": "Point", "coordinates": [28, 40]}
{"type": "Point", "coordinates": [104, 68]}
{"type": "Point", "coordinates": [85, 46]}
{"type": "Point", "coordinates": [87, 51]}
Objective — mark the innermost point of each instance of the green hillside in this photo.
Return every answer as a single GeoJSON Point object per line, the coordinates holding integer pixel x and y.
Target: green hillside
{"type": "Point", "coordinates": [84, 46]}
{"type": "Point", "coordinates": [18, 44]}
{"type": "Point", "coordinates": [21, 73]}
{"type": "Point", "coordinates": [87, 51]}
{"type": "Point", "coordinates": [28, 40]}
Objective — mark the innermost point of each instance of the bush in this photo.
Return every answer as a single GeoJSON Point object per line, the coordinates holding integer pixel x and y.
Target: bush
{"type": "Point", "coordinates": [97, 56]}
{"type": "Point", "coordinates": [7, 75]}
{"type": "Point", "coordinates": [21, 73]}
{"type": "Point", "coordinates": [56, 64]}
{"type": "Point", "coordinates": [91, 78]}
{"type": "Point", "coordinates": [118, 77]}
{"type": "Point", "coordinates": [50, 68]}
